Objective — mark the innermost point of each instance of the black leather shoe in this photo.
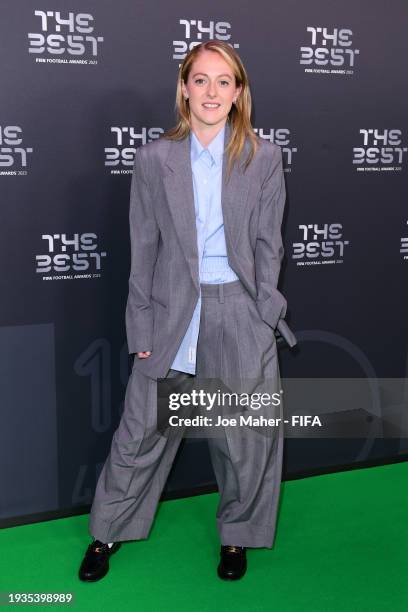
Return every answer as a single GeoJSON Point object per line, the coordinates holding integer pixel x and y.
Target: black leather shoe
{"type": "Point", "coordinates": [95, 564]}
{"type": "Point", "coordinates": [233, 562]}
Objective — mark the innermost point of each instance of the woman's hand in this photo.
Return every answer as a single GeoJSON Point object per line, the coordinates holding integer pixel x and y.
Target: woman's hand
{"type": "Point", "coordinates": [144, 354]}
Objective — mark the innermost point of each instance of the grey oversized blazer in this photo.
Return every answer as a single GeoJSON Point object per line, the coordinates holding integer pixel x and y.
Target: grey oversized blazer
{"type": "Point", "coordinates": [164, 276]}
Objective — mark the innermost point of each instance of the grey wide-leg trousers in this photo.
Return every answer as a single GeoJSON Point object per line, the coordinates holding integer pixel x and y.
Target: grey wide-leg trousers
{"type": "Point", "coordinates": [234, 345]}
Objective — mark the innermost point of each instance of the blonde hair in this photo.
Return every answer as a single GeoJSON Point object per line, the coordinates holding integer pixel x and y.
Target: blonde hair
{"type": "Point", "coordinates": [239, 116]}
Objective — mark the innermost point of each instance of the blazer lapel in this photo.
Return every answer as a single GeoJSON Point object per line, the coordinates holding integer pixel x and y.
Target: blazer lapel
{"type": "Point", "coordinates": [234, 196]}
{"type": "Point", "coordinates": [178, 183]}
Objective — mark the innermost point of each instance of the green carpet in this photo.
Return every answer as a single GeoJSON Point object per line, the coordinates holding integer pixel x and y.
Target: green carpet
{"type": "Point", "coordinates": [341, 545]}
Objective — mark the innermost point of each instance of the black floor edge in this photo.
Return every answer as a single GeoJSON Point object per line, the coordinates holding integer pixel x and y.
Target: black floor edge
{"type": "Point", "coordinates": [40, 517]}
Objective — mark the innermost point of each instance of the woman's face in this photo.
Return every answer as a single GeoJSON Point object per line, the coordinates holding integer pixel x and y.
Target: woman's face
{"type": "Point", "coordinates": [210, 89]}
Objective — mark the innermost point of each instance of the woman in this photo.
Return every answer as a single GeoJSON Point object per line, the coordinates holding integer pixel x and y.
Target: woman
{"type": "Point", "coordinates": [206, 209]}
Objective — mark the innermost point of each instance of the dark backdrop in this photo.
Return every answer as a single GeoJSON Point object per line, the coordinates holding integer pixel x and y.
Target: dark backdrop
{"type": "Point", "coordinates": [79, 91]}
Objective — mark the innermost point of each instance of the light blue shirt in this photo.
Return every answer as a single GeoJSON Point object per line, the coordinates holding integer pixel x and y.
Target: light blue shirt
{"type": "Point", "coordinates": [206, 164]}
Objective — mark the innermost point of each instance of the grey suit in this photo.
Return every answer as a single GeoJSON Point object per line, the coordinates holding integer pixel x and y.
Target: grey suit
{"type": "Point", "coordinates": [236, 343]}
{"type": "Point", "coordinates": [164, 279]}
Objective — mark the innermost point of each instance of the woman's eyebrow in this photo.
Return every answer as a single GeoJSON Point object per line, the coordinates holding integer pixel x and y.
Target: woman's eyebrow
{"type": "Point", "coordinates": [203, 73]}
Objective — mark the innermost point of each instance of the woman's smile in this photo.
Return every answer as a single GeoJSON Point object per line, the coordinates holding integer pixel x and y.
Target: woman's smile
{"type": "Point", "coordinates": [211, 105]}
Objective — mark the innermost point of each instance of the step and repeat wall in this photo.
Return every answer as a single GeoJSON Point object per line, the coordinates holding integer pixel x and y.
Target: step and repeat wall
{"type": "Point", "coordinates": [83, 84]}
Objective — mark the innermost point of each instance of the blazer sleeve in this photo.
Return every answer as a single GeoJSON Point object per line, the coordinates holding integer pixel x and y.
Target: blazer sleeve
{"type": "Point", "coordinates": [269, 248]}
{"type": "Point", "coordinates": [144, 241]}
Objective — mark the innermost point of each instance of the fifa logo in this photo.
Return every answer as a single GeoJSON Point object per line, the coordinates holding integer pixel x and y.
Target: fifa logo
{"type": "Point", "coordinates": [12, 152]}
{"type": "Point", "coordinates": [76, 254]}
{"type": "Point", "coordinates": [196, 30]}
{"type": "Point", "coordinates": [404, 246]}
{"type": "Point", "coordinates": [73, 35]}
{"type": "Point", "coordinates": [380, 150]}
{"type": "Point", "coordinates": [320, 244]}
{"type": "Point", "coordinates": [331, 49]}
{"type": "Point", "coordinates": [126, 140]}
{"type": "Point", "coordinates": [282, 138]}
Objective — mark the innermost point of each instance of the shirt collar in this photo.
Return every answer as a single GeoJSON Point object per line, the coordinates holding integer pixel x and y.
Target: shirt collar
{"type": "Point", "coordinates": [215, 148]}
